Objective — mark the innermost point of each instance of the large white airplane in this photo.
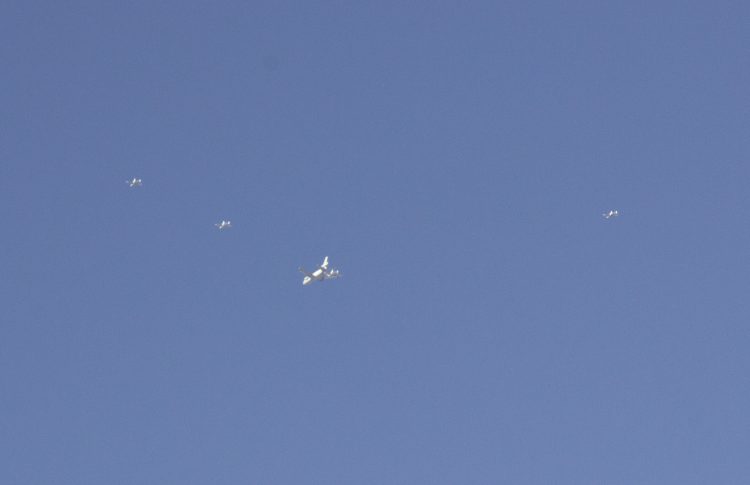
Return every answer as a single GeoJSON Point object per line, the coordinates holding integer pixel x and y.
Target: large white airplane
{"type": "Point", "coordinates": [135, 182]}
{"type": "Point", "coordinates": [610, 214]}
{"type": "Point", "coordinates": [224, 225]}
{"type": "Point", "coordinates": [320, 274]}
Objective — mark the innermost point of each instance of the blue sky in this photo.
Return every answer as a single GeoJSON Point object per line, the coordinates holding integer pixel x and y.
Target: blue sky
{"type": "Point", "coordinates": [453, 161]}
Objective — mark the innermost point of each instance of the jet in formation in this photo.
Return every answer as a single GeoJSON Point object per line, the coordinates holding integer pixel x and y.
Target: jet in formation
{"type": "Point", "coordinates": [224, 225]}
{"type": "Point", "coordinates": [320, 274]}
{"type": "Point", "coordinates": [134, 182]}
{"type": "Point", "coordinates": [610, 214]}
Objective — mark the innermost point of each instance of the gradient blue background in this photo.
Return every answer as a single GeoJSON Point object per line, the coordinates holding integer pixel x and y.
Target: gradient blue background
{"type": "Point", "coordinates": [453, 159]}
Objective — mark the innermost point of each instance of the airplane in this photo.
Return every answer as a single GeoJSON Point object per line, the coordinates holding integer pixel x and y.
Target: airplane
{"type": "Point", "coordinates": [224, 225]}
{"type": "Point", "coordinates": [320, 274]}
{"type": "Point", "coordinates": [610, 214]}
{"type": "Point", "coordinates": [135, 182]}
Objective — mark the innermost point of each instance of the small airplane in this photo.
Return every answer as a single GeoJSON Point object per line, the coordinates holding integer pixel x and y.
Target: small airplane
{"type": "Point", "coordinates": [224, 225]}
{"type": "Point", "coordinates": [610, 214]}
{"type": "Point", "coordinates": [320, 274]}
{"type": "Point", "coordinates": [135, 182]}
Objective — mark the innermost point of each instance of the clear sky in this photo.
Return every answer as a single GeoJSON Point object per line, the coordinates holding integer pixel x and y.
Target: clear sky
{"type": "Point", "coordinates": [453, 159]}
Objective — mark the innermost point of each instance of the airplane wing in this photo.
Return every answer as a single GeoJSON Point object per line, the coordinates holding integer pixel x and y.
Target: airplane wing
{"type": "Point", "coordinates": [302, 270]}
{"type": "Point", "coordinates": [324, 266]}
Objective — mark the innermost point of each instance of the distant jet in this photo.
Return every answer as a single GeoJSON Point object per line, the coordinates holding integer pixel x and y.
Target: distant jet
{"type": "Point", "coordinates": [135, 182]}
{"type": "Point", "coordinates": [610, 214]}
{"type": "Point", "coordinates": [224, 225]}
{"type": "Point", "coordinates": [320, 274]}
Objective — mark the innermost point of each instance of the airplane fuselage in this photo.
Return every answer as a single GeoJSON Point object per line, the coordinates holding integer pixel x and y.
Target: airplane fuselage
{"type": "Point", "coordinates": [317, 275]}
